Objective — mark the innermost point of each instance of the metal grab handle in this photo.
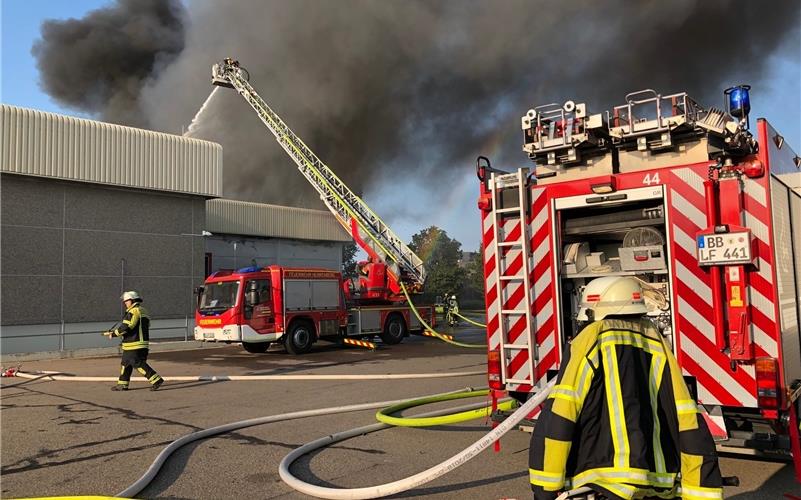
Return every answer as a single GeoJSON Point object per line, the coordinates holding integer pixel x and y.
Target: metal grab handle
{"type": "Point", "coordinates": [638, 92]}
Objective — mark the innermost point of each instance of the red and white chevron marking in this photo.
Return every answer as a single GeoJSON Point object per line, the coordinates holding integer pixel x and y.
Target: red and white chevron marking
{"type": "Point", "coordinates": [697, 355]}
{"type": "Point", "coordinates": [542, 289]}
{"type": "Point", "coordinates": [761, 287]}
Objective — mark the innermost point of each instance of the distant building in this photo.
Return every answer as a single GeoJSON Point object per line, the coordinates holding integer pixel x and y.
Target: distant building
{"type": "Point", "coordinates": [91, 209]}
{"type": "Point", "coordinates": [246, 234]}
{"type": "Point", "coordinates": [468, 258]}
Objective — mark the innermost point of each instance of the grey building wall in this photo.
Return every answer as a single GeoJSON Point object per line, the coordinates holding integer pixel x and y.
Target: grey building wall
{"type": "Point", "coordinates": [234, 252]}
{"type": "Point", "coordinates": [70, 248]}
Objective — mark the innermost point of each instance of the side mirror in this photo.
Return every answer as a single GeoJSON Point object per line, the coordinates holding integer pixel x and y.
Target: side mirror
{"type": "Point", "coordinates": [198, 294]}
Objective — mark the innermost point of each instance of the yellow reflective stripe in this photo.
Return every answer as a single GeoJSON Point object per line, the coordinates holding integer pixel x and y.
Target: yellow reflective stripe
{"type": "Point", "coordinates": [122, 370]}
{"type": "Point", "coordinates": [699, 492]}
{"type": "Point", "coordinates": [614, 401]}
{"type": "Point", "coordinates": [624, 475]}
{"type": "Point", "coordinates": [621, 490]}
{"type": "Point", "coordinates": [153, 378]}
{"type": "Point", "coordinates": [141, 370]}
{"type": "Point", "coordinates": [131, 346]}
{"type": "Point", "coordinates": [686, 406]}
{"type": "Point", "coordinates": [548, 480]}
{"type": "Point", "coordinates": [633, 339]}
{"type": "Point", "coordinates": [122, 382]}
{"type": "Point", "coordinates": [564, 392]}
{"type": "Point", "coordinates": [586, 374]}
{"type": "Point", "coordinates": [655, 380]}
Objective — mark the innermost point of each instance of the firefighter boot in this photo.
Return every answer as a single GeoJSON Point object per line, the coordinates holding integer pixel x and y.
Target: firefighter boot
{"type": "Point", "coordinates": [119, 387]}
{"type": "Point", "coordinates": [157, 384]}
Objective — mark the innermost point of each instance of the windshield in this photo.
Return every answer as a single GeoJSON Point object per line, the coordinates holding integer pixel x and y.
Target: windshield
{"type": "Point", "coordinates": [219, 296]}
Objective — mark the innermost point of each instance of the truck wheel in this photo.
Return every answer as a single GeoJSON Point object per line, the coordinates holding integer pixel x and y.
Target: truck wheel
{"type": "Point", "coordinates": [299, 338]}
{"type": "Point", "coordinates": [394, 330]}
{"type": "Point", "coordinates": [256, 347]}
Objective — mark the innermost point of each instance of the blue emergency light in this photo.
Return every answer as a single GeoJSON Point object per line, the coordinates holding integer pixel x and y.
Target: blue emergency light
{"type": "Point", "coordinates": [739, 103]}
{"type": "Point", "coordinates": [251, 269]}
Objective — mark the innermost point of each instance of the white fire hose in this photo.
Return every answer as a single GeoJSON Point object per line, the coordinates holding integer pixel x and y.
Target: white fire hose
{"type": "Point", "coordinates": [307, 488]}
{"type": "Point", "coordinates": [408, 483]}
{"type": "Point", "coordinates": [53, 375]}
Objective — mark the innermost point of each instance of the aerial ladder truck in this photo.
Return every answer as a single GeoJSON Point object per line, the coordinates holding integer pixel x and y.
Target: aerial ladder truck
{"type": "Point", "coordinates": [298, 306]}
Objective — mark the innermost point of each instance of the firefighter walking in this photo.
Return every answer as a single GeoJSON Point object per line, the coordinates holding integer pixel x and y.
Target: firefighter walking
{"type": "Point", "coordinates": [620, 419]}
{"type": "Point", "coordinates": [134, 331]}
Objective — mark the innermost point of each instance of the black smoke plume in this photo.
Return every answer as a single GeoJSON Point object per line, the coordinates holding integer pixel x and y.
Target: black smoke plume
{"type": "Point", "coordinates": [386, 91]}
{"type": "Point", "coordinates": [100, 64]}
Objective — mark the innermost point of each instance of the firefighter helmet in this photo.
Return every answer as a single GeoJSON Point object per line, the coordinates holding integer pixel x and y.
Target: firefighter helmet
{"type": "Point", "coordinates": [131, 295]}
{"type": "Point", "coordinates": [611, 295]}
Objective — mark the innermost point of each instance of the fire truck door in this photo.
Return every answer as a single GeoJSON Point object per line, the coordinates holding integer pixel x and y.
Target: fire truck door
{"type": "Point", "coordinates": [258, 311]}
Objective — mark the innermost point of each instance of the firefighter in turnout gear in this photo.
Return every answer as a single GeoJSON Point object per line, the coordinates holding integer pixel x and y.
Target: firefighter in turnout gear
{"type": "Point", "coordinates": [620, 419]}
{"type": "Point", "coordinates": [135, 343]}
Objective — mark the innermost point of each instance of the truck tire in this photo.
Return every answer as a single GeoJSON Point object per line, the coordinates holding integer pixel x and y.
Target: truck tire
{"type": "Point", "coordinates": [299, 338]}
{"type": "Point", "coordinates": [256, 347]}
{"type": "Point", "coordinates": [394, 330]}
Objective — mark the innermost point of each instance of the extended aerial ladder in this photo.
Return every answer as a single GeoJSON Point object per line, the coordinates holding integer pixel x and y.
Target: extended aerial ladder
{"type": "Point", "coordinates": [382, 245]}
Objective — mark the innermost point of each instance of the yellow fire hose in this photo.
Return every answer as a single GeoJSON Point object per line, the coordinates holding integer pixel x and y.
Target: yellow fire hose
{"type": "Point", "coordinates": [430, 329]}
{"type": "Point", "coordinates": [385, 415]}
{"type": "Point", "coordinates": [482, 325]}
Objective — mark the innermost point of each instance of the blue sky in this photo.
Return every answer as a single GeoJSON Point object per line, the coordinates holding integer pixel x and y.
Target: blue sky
{"type": "Point", "coordinates": [21, 21]}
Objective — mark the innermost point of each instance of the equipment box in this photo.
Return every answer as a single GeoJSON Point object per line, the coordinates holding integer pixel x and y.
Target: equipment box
{"type": "Point", "coordinates": [646, 258]}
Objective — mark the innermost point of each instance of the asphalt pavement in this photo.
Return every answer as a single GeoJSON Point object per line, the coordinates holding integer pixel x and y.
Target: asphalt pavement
{"type": "Point", "coordinates": [80, 438]}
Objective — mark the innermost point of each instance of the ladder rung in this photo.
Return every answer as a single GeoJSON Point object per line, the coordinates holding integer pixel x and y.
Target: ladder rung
{"type": "Point", "coordinates": [515, 346]}
{"type": "Point", "coordinates": [507, 210]}
{"type": "Point", "coordinates": [516, 277]}
{"type": "Point", "coordinates": [510, 243]}
{"type": "Point", "coordinates": [513, 311]}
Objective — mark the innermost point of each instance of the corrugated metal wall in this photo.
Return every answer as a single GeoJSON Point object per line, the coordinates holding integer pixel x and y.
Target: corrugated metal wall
{"type": "Point", "coordinates": [64, 147]}
{"type": "Point", "coordinates": [256, 219]}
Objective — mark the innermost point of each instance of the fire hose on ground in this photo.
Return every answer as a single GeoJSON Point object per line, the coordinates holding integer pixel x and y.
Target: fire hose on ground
{"type": "Point", "coordinates": [435, 333]}
{"type": "Point", "coordinates": [52, 375]}
{"type": "Point", "coordinates": [468, 412]}
{"type": "Point", "coordinates": [408, 483]}
{"type": "Point", "coordinates": [440, 417]}
{"type": "Point", "coordinates": [475, 323]}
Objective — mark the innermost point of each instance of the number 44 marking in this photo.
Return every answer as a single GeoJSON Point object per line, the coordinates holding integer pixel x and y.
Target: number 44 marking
{"type": "Point", "coordinates": [651, 179]}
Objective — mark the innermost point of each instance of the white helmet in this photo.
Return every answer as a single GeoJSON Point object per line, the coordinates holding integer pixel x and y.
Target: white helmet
{"type": "Point", "coordinates": [611, 295]}
{"type": "Point", "coordinates": [130, 295]}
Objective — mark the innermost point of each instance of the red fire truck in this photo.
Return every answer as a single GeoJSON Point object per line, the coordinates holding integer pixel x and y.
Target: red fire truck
{"type": "Point", "coordinates": [685, 198]}
{"type": "Point", "coordinates": [295, 307]}
{"type": "Point", "coordinates": [259, 306]}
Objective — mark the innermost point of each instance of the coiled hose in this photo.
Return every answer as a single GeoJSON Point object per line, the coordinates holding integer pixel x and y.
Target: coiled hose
{"type": "Point", "coordinates": [408, 483]}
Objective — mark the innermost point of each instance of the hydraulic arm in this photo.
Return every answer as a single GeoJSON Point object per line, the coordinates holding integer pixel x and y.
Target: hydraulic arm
{"type": "Point", "coordinates": [367, 229]}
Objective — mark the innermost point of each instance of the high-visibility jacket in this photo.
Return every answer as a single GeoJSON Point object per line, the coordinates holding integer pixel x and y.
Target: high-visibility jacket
{"type": "Point", "coordinates": [621, 421]}
{"type": "Point", "coordinates": [135, 329]}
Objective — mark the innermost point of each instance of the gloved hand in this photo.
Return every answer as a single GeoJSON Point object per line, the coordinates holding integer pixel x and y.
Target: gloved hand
{"type": "Point", "coordinates": [107, 334]}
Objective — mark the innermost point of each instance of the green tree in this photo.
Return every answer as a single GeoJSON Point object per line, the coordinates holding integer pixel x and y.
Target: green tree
{"type": "Point", "coordinates": [349, 260]}
{"type": "Point", "coordinates": [441, 255]}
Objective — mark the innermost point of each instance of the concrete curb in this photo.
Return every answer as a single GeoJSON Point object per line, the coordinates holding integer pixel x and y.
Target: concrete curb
{"type": "Point", "coordinates": [103, 352]}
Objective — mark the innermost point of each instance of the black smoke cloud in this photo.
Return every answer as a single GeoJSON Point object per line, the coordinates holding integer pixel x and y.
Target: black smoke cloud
{"type": "Point", "coordinates": [100, 64]}
{"type": "Point", "coordinates": [389, 91]}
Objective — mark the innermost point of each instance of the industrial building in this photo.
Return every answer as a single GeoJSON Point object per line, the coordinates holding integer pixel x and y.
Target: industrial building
{"type": "Point", "coordinates": [249, 234]}
{"type": "Point", "coordinates": [90, 209]}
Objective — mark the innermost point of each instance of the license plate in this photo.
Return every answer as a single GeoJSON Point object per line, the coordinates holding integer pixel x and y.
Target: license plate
{"type": "Point", "coordinates": [724, 248]}
{"type": "Point", "coordinates": [208, 335]}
